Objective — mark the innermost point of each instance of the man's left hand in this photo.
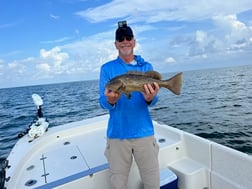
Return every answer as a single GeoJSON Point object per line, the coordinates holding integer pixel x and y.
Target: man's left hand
{"type": "Point", "coordinates": [150, 92]}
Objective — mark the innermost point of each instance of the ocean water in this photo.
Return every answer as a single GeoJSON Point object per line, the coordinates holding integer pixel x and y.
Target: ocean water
{"type": "Point", "coordinates": [215, 104]}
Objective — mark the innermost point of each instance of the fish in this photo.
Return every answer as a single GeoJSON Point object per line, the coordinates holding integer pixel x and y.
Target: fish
{"type": "Point", "coordinates": [134, 81]}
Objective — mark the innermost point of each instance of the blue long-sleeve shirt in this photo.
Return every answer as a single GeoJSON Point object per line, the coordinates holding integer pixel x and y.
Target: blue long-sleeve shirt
{"type": "Point", "coordinates": [129, 118]}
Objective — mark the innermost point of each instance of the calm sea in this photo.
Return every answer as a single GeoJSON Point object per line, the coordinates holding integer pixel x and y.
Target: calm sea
{"type": "Point", "coordinates": [215, 104]}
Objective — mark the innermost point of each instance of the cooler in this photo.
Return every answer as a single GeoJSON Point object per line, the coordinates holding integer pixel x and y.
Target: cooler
{"type": "Point", "coordinates": [168, 179]}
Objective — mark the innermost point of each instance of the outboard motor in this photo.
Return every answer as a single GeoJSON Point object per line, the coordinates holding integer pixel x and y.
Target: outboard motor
{"type": "Point", "coordinates": [38, 102]}
{"type": "Point", "coordinates": [40, 125]}
{"type": "Point", "coordinates": [38, 128]}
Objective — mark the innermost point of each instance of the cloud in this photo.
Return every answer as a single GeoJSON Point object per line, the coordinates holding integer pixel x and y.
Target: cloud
{"type": "Point", "coordinates": [162, 10]}
{"type": "Point", "coordinates": [55, 57]}
{"type": "Point", "coordinates": [235, 33]}
{"type": "Point", "coordinates": [93, 51]}
{"type": "Point", "coordinates": [17, 68]}
{"type": "Point", "coordinates": [44, 67]}
{"type": "Point", "coordinates": [170, 60]}
{"type": "Point", "coordinates": [54, 16]}
{"type": "Point", "coordinates": [229, 35]}
{"type": "Point", "coordinates": [63, 39]}
{"type": "Point", "coordinates": [48, 65]}
{"type": "Point", "coordinates": [201, 44]}
{"type": "Point", "coordinates": [200, 36]}
{"type": "Point", "coordinates": [8, 25]}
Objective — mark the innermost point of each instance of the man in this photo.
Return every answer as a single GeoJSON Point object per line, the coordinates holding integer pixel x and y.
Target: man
{"type": "Point", "coordinates": [130, 131]}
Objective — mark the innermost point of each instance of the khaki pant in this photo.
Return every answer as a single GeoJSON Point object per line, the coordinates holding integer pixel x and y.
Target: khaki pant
{"type": "Point", "coordinates": [120, 154]}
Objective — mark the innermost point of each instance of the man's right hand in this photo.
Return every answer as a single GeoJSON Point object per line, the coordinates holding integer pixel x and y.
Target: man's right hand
{"type": "Point", "coordinates": [112, 96]}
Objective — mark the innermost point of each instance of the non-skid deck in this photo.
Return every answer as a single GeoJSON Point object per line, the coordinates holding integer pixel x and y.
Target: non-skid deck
{"type": "Point", "coordinates": [65, 159]}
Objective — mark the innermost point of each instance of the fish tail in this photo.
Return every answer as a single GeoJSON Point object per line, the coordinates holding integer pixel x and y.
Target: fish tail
{"type": "Point", "coordinates": [173, 84]}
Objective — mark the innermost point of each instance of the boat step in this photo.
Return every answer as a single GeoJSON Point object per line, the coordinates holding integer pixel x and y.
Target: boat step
{"type": "Point", "coordinates": [191, 174]}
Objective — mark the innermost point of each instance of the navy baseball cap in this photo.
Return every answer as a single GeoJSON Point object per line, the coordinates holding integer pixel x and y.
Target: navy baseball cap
{"type": "Point", "coordinates": [123, 31]}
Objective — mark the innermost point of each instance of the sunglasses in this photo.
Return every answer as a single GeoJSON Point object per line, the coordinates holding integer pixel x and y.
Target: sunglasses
{"type": "Point", "coordinates": [121, 39]}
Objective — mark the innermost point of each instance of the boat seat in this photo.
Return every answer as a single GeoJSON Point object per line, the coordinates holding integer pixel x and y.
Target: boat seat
{"type": "Point", "coordinates": [191, 174]}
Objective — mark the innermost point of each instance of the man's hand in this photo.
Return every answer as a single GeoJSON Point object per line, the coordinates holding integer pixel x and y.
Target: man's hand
{"type": "Point", "coordinates": [112, 96]}
{"type": "Point", "coordinates": [150, 92]}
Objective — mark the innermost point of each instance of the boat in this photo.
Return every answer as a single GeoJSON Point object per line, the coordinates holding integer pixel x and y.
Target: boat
{"type": "Point", "coordinates": [71, 156]}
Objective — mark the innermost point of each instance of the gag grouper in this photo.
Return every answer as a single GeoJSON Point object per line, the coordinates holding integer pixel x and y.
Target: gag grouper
{"type": "Point", "coordinates": [134, 81]}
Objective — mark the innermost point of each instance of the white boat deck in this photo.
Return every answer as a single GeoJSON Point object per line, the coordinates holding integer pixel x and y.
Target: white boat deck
{"type": "Point", "coordinates": [72, 156]}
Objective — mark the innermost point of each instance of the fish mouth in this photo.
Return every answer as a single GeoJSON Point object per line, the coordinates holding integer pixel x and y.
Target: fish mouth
{"type": "Point", "coordinates": [115, 89]}
{"type": "Point", "coordinates": [116, 86]}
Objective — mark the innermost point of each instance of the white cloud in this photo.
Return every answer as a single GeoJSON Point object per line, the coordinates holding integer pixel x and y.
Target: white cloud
{"type": "Point", "coordinates": [55, 57]}
{"type": "Point", "coordinates": [163, 10]}
{"type": "Point", "coordinates": [229, 34]}
{"type": "Point", "coordinates": [170, 60]}
{"type": "Point", "coordinates": [90, 53]}
{"type": "Point", "coordinates": [43, 67]}
{"type": "Point", "coordinates": [235, 33]}
{"type": "Point", "coordinates": [63, 39]}
{"type": "Point", "coordinates": [12, 65]}
{"type": "Point", "coordinates": [17, 67]}
{"type": "Point", "coordinates": [201, 36]}
{"type": "Point", "coordinates": [54, 16]}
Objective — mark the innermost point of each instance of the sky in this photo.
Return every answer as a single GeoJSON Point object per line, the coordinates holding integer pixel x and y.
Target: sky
{"type": "Point", "coordinates": [55, 41]}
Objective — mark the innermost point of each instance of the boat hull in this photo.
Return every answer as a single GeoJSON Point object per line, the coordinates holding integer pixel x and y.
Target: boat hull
{"type": "Point", "coordinates": [72, 156]}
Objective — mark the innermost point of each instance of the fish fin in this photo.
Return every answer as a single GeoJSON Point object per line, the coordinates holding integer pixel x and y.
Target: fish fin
{"type": "Point", "coordinates": [135, 73]}
{"type": "Point", "coordinates": [174, 84]}
{"type": "Point", "coordinates": [154, 75]}
{"type": "Point", "coordinates": [122, 87]}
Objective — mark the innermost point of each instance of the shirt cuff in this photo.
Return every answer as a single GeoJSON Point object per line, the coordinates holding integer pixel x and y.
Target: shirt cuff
{"type": "Point", "coordinates": [153, 102]}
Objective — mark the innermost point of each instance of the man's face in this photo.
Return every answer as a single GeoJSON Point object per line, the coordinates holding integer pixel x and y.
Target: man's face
{"type": "Point", "coordinates": [125, 45]}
